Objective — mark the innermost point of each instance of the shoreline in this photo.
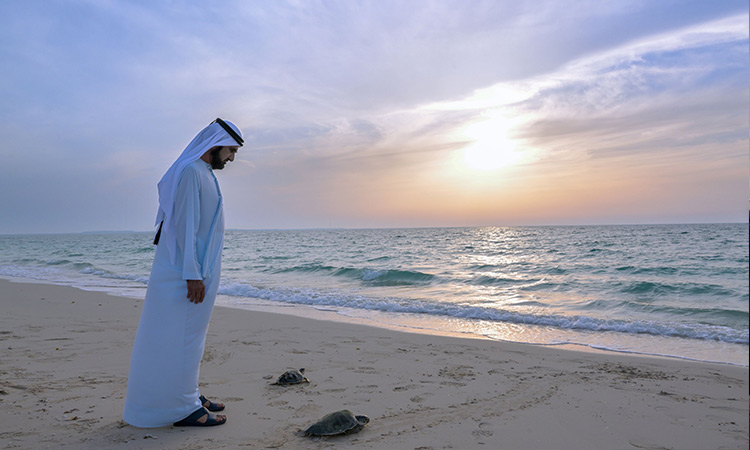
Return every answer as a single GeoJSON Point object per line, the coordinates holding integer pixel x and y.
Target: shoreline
{"type": "Point", "coordinates": [66, 354]}
{"type": "Point", "coordinates": [389, 319]}
{"type": "Point", "coordinates": [441, 326]}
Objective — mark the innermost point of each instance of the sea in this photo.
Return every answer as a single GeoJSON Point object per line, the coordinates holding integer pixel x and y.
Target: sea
{"type": "Point", "coordinates": [678, 291]}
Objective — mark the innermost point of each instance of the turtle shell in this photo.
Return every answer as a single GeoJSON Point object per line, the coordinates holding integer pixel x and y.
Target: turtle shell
{"type": "Point", "coordinates": [339, 422]}
{"type": "Point", "coordinates": [292, 377]}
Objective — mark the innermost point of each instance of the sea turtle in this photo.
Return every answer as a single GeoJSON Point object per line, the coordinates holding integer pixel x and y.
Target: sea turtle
{"type": "Point", "coordinates": [339, 422]}
{"type": "Point", "coordinates": [292, 377]}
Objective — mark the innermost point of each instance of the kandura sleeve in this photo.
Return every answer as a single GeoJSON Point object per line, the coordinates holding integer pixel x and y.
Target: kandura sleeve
{"type": "Point", "coordinates": [187, 216]}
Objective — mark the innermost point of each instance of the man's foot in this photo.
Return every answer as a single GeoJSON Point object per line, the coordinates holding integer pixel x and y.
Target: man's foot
{"type": "Point", "coordinates": [201, 418]}
{"type": "Point", "coordinates": [211, 406]}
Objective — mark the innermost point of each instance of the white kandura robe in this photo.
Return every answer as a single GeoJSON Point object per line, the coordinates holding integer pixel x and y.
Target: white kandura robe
{"type": "Point", "coordinates": [168, 348]}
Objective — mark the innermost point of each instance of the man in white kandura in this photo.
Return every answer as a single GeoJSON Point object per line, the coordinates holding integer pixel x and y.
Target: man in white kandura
{"type": "Point", "coordinates": [163, 379]}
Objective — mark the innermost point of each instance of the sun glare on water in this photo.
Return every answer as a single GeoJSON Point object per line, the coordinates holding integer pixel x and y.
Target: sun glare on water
{"type": "Point", "coordinates": [492, 149]}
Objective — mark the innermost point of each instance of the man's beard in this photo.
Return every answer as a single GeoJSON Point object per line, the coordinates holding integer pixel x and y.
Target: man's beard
{"type": "Point", "coordinates": [216, 162]}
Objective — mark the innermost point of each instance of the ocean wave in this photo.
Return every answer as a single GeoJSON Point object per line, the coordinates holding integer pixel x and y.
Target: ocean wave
{"type": "Point", "coordinates": [576, 322]}
{"type": "Point", "coordinates": [690, 289]}
{"type": "Point", "coordinates": [379, 259]}
{"type": "Point", "coordinates": [483, 267]}
{"type": "Point", "coordinates": [714, 315]}
{"type": "Point", "coordinates": [57, 262]}
{"type": "Point", "coordinates": [65, 272]}
{"type": "Point", "coordinates": [370, 277]}
{"type": "Point", "coordinates": [490, 280]}
{"type": "Point", "coordinates": [648, 270]}
{"type": "Point", "coordinates": [275, 257]}
{"type": "Point", "coordinates": [540, 285]}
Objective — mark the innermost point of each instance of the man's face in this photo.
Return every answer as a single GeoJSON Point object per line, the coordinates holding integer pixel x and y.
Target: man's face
{"type": "Point", "coordinates": [220, 156]}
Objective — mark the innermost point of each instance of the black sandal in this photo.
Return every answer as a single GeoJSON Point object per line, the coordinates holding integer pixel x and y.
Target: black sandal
{"type": "Point", "coordinates": [213, 407]}
{"type": "Point", "coordinates": [192, 419]}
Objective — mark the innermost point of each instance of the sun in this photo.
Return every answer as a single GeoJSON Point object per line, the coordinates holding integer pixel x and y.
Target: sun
{"type": "Point", "coordinates": [491, 148]}
{"type": "Point", "coordinates": [490, 155]}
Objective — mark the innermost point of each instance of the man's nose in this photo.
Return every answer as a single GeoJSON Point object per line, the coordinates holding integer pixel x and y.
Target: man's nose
{"type": "Point", "coordinates": [231, 157]}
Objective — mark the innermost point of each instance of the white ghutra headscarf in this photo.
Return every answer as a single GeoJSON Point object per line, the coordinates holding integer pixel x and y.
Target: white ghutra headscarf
{"type": "Point", "coordinates": [218, 133]}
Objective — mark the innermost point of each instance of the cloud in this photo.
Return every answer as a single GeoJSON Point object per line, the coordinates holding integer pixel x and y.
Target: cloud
{"type": "Point", "coordinates": [355, 111]}
{"type": "Point", "coordinates": [683, 87]}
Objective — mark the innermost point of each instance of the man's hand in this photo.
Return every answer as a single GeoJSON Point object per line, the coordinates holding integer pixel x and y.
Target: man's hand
{"type": "Point", "coordinates": [196, 291]}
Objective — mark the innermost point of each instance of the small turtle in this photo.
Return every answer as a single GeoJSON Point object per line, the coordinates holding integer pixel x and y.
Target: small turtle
{"type": "Point", "coordinates": [339, 422]}
{"type": "Point", "coordinates": [292, 377]}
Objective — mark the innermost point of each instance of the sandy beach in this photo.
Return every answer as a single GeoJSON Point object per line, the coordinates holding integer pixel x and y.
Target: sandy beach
{"type": "Point", "coordinates": [65, 356]}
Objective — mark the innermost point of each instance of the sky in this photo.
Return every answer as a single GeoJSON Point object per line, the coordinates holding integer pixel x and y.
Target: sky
{"type": "Point", "coordinates": [383, 113]}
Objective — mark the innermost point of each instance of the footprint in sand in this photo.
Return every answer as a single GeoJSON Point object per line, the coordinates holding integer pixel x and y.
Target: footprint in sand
{"type": "Point", "coordinates": [484, 431]}
{"type": "Point", "coordinates": [457, 372]}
